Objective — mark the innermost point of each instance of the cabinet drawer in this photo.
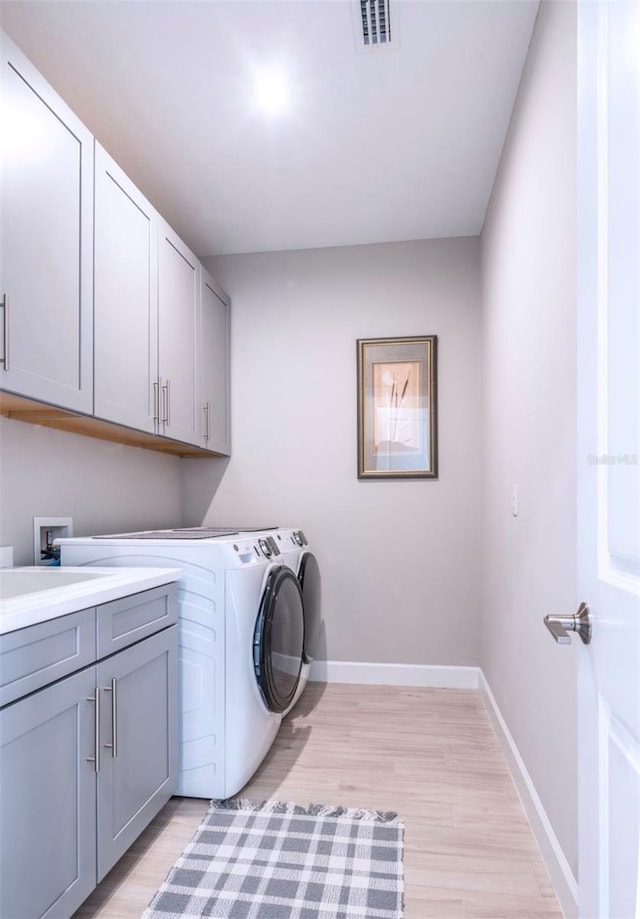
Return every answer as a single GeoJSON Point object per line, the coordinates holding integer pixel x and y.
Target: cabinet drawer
{"type": "Point", "coordinates": [133, 618]}
{"type": "Point", "coordinates": [40, 654]}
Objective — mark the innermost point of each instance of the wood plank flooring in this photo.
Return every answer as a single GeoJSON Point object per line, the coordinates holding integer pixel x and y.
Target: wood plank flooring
{"type": "Point", "coordinates": [429, 754]}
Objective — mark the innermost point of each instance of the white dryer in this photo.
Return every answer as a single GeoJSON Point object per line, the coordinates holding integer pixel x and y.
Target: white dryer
{"type": "Point", "coordinates": [297, 555]}
{"type": "Point", "coordinates": [241, 628]}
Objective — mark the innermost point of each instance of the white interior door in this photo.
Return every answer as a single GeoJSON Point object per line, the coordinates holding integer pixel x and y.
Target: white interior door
{"type": "Point", "coordinates": [609, 455]}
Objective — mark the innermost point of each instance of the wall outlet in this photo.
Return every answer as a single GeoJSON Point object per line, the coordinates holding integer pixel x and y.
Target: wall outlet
{"type": "Point", "coordinates": [45, 531]}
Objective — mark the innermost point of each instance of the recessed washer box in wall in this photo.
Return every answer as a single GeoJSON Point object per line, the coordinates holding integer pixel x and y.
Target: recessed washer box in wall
{"type": "Point", "coordinates": [45, 531]}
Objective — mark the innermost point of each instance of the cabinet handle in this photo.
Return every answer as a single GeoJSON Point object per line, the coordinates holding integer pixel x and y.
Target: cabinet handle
{"type": "Point", "coordinates": [156, 402]}
{"type": "Point", "coordinates": [113, 689]}
{"type": "Point", "coordinates": [96, 759]}
{"type": "Point", "coordinates": [5, 311]}
{"type": "Point", "coordinates": [169, 403]}
{"type": "Point", "coordinates": [206, 409]}
{"type": "Point", "coordinates": [165, 402]}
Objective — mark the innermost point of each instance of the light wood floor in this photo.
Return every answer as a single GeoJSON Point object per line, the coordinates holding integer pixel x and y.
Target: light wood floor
{"type": "Point", "coordinates": [429, 754]}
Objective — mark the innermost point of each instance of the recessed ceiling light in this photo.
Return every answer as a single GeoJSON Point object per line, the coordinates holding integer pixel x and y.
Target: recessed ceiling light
{"type": "Point", "coordinates": [272, 92]}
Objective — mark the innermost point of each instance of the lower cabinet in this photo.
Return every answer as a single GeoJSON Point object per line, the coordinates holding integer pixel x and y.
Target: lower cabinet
{"type": "Point", "coordinates": [138, 724]}
{"type": "Point", "coordinates": [85, 764]}
{"type": "Point", "coordinates": [48, 800]}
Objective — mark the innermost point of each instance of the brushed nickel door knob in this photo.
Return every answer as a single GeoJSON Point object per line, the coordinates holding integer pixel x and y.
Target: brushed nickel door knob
{"type": "Point", "coordinates": [581, 622]}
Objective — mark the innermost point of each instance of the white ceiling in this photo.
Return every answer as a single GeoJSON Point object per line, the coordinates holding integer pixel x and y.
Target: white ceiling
{"type": "Point", "coordinates": [377, 145]}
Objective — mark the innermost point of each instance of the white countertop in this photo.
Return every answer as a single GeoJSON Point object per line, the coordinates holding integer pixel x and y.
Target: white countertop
{"type": "Point", "coordinates": [29, 608]}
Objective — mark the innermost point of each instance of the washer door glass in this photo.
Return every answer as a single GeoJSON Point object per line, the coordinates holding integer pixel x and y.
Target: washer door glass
{"type": "Point", "coordinates": [309, 577]}
{"type": "Point", "coordinates": [279, 639]}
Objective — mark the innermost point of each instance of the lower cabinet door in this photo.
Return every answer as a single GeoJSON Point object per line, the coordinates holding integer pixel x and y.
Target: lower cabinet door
{"type": "Point", "coordinates": [139, 741]}
{"type": "Point", "coordinates": [48, 800]}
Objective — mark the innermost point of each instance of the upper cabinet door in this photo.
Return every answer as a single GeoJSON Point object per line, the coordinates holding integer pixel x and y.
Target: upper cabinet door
{"type": "Point", "coordinates": [177, 322]}
{"type": "Point", "coordinates": [47, 246]}
{"type": "Point", "coordinates": [125, 299]}
{"type": "Point", "coordinates": [214, 362]}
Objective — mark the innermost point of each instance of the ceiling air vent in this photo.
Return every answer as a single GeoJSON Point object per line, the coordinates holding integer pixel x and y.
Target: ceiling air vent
{"type": "Point", "coordinates": [376, 24]}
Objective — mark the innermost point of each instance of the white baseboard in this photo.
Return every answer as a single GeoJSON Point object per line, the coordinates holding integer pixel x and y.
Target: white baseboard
{"type": "Point", "coordinates": [395, 674]}
{"type": "Point", "coordinates": [559, 870]}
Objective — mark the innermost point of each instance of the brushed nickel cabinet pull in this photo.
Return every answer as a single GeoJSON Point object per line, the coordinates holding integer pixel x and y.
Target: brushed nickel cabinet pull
{"type": "Point", "coordinates": [168, 403]}
{"type": "Point", "coordinates": [96, 759]}
{"type": "Point", "coordinates": [113, 689]}
{"type": "Point", "coordinates": [5, 311]}
{"type": "Point", "coordinates": [165, 403]}
{"type": "Point", "coordinates": [206, 409]}
{"type": "Point", "coordinates": [156, 402]}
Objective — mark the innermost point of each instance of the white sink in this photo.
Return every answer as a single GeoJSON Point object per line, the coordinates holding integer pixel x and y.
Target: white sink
{"type": "Point", "coordinates": [32, 595]}
{"type": "Point", "coordinates": [17, 582]}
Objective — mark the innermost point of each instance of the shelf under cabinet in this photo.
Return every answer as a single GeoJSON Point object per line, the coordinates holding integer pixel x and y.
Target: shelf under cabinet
{"type": "Point", "coordinates": [21, 409]}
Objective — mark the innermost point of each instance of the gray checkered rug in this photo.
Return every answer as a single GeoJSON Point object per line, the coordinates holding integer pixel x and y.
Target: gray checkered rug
{"type": "Point", "coordinates": [283, 861]}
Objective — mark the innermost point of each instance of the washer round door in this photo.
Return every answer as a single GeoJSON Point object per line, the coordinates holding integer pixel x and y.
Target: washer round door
{"type": "Point", "coordinates": [279, 639]}
{"type": "Point", "coordinates": [309, 577]}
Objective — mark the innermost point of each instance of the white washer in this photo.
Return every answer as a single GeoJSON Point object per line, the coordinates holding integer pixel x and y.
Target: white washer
{"type": "Point", "coordinates": [291, 547]}
{"type": "Point", "coordinates": [241, 628]}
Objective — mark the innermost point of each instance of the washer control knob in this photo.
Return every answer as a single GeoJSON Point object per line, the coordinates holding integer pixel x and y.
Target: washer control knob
{"type": "Point", "coordinates": [265, 548]}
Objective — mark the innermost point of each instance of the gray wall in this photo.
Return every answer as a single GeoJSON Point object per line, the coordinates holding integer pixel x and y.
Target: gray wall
{"type": "Point", "coordinates": [400, 560]}
{"type": "Point", "coordinates": [105, 487]}
{"type": "Point", "coordinates": [529, 351]}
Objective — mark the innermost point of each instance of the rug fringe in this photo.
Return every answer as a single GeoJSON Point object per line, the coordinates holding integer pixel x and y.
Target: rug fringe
{"type": "Point", "coordinates": [313, 810]}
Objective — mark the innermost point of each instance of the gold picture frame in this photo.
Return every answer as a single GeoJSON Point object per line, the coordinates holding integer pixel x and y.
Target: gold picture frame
{"type": "Point", "coordinates": [397, 408]}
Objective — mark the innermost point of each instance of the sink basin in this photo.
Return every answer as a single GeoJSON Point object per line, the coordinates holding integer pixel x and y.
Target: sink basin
{"type": "Point", "coordinates": [17, 582]}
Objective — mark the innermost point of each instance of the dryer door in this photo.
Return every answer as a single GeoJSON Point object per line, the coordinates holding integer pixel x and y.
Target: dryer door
{"type": "Point", "coordinates": [309, 577]}
{"type": "Point", "coordinates": [279, 639]}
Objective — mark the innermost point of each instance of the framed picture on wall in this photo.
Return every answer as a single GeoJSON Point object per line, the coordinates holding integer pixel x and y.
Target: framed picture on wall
{"type": "Point", "coordinates": [397, 408]}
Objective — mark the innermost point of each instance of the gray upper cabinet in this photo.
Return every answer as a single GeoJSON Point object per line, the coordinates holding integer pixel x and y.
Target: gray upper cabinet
{"type": "Point", "coordinates": [178, 281]}
{"type": "Point", "coordinates": [48, 794]}
{"type": "Point", "coordinates": [125, 299]}
{"type": "Point", "coordinates": [47, 242]}
{"type": "Point", "coordinates": [99, 298]}
{"type": "Point", "coordinates": [214, 364]}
